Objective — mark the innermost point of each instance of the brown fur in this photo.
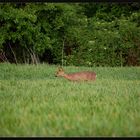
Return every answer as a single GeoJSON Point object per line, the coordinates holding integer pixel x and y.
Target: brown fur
{"type": "Point", "coordinates": [77, 76]}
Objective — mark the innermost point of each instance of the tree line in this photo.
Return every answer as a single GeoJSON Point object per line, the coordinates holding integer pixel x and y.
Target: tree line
{"type": "Point", "coordinates": [80, 34]}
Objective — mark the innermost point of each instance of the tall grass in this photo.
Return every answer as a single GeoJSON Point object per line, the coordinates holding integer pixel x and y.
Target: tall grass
{"type": "Point", "coordinates": [33, 102]}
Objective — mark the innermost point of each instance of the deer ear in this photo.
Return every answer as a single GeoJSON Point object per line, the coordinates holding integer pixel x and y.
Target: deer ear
{"type": "Point", "coordinates": [60, 69]}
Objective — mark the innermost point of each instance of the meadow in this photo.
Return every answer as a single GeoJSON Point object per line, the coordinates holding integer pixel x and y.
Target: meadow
{"type": "Point", "coordinates": [33, 102]}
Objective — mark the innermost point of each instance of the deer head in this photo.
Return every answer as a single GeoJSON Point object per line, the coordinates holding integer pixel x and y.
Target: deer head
{"type": "Point", "coordinates": [60, 72]}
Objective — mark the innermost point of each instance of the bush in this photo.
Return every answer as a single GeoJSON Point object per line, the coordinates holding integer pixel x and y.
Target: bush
{"type": "Point", "coordinates": [70, 34]}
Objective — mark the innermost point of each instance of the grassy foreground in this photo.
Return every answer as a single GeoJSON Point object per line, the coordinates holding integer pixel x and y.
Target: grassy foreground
{"type": "Point", "coordinates": [33, 102]}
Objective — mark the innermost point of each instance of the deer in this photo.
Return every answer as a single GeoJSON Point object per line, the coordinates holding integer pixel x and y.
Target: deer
{"type": "Point", "coordinates": [77, 76]}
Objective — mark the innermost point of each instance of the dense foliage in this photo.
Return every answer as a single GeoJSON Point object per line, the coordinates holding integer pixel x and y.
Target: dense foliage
{"type": "Point", "coordinates": [82, 34]}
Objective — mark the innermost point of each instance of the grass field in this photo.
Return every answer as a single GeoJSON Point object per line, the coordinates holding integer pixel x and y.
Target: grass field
{"type": "Point", "coordinates": [33, 102]}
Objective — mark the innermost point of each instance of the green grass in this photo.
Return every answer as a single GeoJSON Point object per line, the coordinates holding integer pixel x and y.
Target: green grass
{"type": "Point", "coordinates": [33, 102]}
